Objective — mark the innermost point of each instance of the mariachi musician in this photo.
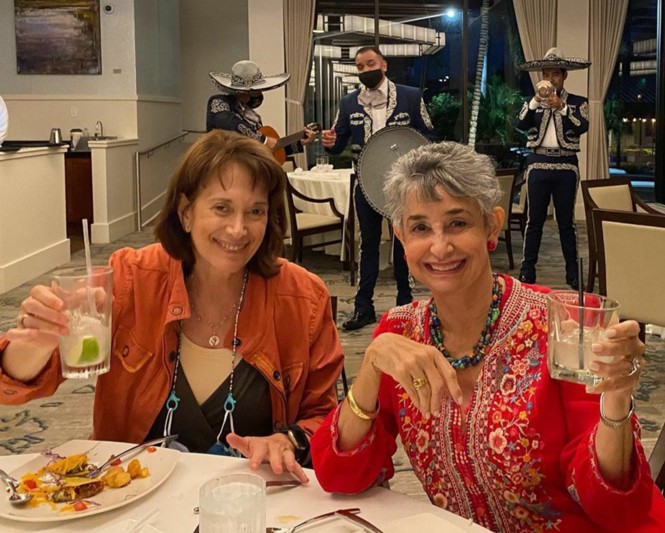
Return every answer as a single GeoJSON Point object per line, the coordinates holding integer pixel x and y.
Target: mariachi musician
{"type": "Point", "coordinates": [235, 109]}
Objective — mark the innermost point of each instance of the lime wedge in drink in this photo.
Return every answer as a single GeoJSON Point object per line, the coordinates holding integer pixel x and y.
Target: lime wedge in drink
{"type": "Point", "coordinates": [89, 350]}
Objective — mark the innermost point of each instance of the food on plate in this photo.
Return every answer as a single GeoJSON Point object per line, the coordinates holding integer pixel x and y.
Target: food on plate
{"type": "Point", "coordinates": [137, 471]}
{"type": "Point", "coordinates": [57, 482]}
{"type": "Point", "coordinates": [115, 477]}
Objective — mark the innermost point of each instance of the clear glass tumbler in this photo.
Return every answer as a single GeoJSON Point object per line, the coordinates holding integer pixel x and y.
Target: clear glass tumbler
{"type": "Point", "coordinates": [86, 350]}
{"type": "Point", "coordinates": [572, 329]}
{"type": "Point", "coordinates": [233, 503]}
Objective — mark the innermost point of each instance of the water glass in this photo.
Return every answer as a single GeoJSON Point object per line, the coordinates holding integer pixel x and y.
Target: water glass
{"type": "Point", "coordinates": [233, 503]}
{"type": "Point", "coordinates": [322, 163]}
{"type": "Point", "coordinates": [87, 297]}
{"type": "Point", "coordinates": [573, 329]}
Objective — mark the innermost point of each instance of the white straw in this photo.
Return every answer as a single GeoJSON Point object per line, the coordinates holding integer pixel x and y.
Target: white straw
{"type": "Point", "coordinates": [86, 243]}
{"type": "Point", "coordinates": [88, 266]}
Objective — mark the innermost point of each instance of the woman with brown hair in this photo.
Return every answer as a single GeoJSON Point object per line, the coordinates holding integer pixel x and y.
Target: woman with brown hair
{"type": "Point", "coordinates": [215, 337]}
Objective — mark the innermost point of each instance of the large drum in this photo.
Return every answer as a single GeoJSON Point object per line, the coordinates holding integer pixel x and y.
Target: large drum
{"type": "Point", "coordinates": [378, 155]}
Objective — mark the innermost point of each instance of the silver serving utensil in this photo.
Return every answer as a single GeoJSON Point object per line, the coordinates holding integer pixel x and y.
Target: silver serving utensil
{"type": "Point", "coordinates": [358, 520]}
{"type": "Point", "coordinates": [325, 516]}
{"type": "Point", "coordinates": [15, 497]}
{"type": "Point", "coordinates": [98, 471]}
{"type": "Point", "coordinates": [273, 483]}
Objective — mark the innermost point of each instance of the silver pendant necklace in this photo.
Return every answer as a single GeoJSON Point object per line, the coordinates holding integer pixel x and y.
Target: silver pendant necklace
{"type": "Point", "coordinates": [214, 340]}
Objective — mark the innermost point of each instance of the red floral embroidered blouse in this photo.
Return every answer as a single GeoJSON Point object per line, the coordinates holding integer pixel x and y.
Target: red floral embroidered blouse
{"type": "Point", "coordinates": [525, 458]}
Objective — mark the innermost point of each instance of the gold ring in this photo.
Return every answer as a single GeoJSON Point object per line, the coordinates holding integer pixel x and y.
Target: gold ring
{"type": "Point", "coordinates": [419, 383]}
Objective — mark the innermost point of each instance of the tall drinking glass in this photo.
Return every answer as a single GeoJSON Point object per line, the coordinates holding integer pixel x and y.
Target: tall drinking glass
{"type": "Point", "coordinates": [572, 329]}
{"type": "Point", "coordinates": [233, 503]}
{"type": "Point", "coordinates": [87, 298]}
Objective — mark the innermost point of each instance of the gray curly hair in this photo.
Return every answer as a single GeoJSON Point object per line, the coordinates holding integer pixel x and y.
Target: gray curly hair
{"type": "Point", "coordinates": [458, 169]}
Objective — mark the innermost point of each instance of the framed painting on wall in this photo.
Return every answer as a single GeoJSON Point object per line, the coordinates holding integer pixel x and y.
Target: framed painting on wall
{"type": "Point", "coordinates": [57, 37]}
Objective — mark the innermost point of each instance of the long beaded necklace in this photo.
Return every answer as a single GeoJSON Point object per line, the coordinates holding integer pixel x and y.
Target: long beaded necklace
{"type": "Point", "coordinates": [173, 400]}
{"type": "Point", "coordinates": [479, 349]}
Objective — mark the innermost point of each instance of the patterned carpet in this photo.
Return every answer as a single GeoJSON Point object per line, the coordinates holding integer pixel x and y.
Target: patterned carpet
{"type": "Point", "coordinates": [44, 423]}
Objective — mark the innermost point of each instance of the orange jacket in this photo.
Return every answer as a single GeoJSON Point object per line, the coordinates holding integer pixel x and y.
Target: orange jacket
{"type": "Point", "coordinates": [286, 332]}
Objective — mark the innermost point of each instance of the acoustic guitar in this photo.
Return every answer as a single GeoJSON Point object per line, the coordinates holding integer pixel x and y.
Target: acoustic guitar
{"type": "Point", "coordinates": [278, 151]}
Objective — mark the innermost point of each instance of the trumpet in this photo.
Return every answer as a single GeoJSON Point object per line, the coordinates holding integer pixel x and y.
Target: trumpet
{"type": "Point", "coordinates": [544, 89]}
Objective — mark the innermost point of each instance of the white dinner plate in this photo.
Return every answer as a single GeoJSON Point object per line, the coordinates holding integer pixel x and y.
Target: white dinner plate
{"type": "Point", "coordinates": [161, 463]}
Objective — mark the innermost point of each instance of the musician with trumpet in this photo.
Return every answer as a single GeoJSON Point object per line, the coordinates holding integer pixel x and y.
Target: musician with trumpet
{"type": "Point", "coordinates": [554, 121]}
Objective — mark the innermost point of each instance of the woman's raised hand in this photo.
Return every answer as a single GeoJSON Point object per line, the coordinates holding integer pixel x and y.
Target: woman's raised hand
{"type": "Point", "coordinates": [275, 449]}
{"type": "Point", "coordinates": [40, 319]}
{"type": "Point", "coordinates": [622, 373]}
{"type": "Point", "coordinates": [421, 369]}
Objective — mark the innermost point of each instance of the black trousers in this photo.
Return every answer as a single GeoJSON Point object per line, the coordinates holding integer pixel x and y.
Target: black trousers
{"type": "Point", "coordinates": [370, 239]}
{"type": "Point", "coordinates": [556, 178]}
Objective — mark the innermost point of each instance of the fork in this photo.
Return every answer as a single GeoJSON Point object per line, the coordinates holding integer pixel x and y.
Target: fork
{"type": "Point", "coordinates": [348, 512]}
{"type": "Point", "coordinates": [134, 450]}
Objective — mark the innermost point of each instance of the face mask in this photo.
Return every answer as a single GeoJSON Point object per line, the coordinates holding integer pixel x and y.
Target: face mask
{"type": "Point", "coordinates": [255, 101]}
{"type": "Point", "coordinates": [371, 78]}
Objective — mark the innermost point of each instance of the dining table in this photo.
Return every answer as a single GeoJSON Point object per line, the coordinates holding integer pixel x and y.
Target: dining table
{"type": "Point", "coordinates": [170, 507]}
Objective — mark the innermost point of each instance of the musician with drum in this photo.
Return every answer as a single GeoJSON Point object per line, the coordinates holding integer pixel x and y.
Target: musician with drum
{"type": "Point", "coordinates": [376, 104]}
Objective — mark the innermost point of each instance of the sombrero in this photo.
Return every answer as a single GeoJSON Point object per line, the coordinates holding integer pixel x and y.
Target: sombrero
{"type": "Point", "coordinates": [554, 58]}
{"type": "Point", "coordinates": [246, 76]}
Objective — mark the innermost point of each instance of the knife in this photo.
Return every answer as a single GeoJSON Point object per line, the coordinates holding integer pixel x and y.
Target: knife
{"type": "Point", "coordinates": [367, 526]}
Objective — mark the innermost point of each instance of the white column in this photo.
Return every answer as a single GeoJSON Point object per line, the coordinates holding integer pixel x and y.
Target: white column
{"type": "Point", "coordinates": [266, 49]}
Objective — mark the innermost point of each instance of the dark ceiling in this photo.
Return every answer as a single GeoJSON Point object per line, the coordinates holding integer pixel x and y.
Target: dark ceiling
{"type": "Point", "coordinates": [391, 9]}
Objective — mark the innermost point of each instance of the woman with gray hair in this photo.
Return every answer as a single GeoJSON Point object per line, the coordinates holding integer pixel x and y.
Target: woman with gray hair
{"type": "Point", "coordinates": [462, 379]}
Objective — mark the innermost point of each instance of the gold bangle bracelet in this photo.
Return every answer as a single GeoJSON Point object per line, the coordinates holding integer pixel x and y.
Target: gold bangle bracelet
{"type": "Point", "coordinates": [363, 415]}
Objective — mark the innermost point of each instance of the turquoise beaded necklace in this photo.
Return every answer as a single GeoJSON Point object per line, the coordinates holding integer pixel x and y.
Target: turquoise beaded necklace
{"type": "Point", "coordinates": [480, 347]}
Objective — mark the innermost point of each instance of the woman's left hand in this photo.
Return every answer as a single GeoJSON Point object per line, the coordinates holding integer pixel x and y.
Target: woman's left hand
{"type": "Point", "coordinates": [620, 376]}
{"type": "Point", "coordinates": [275, 449]}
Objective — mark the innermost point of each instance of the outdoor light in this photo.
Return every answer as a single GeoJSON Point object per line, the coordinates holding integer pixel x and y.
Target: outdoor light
{"type": "Point", "coordinates": [450, 13]}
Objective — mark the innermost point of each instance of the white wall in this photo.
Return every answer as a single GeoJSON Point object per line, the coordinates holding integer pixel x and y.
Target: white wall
{"type": "Point", "coordinates": [157, 24]}
{"type": "Point", "coordinates": [37, 103]}
{"type": "Point", "coordinates": [213, 36]}
{"type": "Point", "coordinates": [117, 48]}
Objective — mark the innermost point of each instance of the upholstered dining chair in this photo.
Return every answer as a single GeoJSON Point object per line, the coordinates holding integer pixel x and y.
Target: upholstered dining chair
{"type": "Point", "coordinates": [506, 179]}
{"type": "Point", "coordinates": [611, 193]}
{"type": "Point", "coordinates": [631, 253]}
{"type": "Point", "coordinates": [302, 224]}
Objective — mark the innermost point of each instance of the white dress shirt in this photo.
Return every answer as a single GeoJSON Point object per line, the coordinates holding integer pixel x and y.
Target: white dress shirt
{"type": "Point", "coordinates": [375, 102]}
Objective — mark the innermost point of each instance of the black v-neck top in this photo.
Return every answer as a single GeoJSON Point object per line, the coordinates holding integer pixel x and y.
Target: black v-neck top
{"type": "Point", "coordinates": [198, 425]}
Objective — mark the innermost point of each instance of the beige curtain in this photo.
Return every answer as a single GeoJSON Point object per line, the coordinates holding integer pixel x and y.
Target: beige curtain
{"type": "Point", "coordinates": [536, 21]}
{"type": "Point", "coordinates": [606, 20]}
{"type": "Point", "coordinates": [298, 27]}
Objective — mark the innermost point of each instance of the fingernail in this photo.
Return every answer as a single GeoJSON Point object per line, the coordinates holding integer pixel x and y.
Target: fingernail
{"type": "Point", "coordinates": [610, 333]}
{"type": "Point", "coordinates": [593, 366]}
{"type": "Point", "coordinates": [596, 347]}
{"type": "Point", "coordinates": [460, 400]}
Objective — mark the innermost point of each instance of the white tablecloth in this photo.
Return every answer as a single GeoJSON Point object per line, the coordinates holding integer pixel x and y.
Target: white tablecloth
{"type": "Point", "coordinates": [177, 497]}
{"type": "Point", "coordinates": [335, 184]}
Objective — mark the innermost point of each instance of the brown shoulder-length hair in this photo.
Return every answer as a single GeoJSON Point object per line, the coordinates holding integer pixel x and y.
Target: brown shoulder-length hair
{"type": "Point", "coordinates": [204, 161]}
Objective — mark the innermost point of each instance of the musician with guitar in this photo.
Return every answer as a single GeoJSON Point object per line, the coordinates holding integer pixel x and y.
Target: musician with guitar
{"type": "Point", "coordinates": [234, 109]}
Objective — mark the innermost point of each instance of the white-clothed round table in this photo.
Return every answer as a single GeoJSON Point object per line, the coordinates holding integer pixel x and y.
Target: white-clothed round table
{"type": "Point", "coordinates": [177, 497]}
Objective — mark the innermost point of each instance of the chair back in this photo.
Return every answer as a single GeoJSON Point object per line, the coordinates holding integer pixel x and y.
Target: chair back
{"type": "Point", "coordinates": [631, 252]}
{"type": "Point", "coordinates": [506, 202]}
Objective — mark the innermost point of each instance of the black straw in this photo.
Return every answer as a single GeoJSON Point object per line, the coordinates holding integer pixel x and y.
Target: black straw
{"type": "Point", "coordinates": [580, 291]}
